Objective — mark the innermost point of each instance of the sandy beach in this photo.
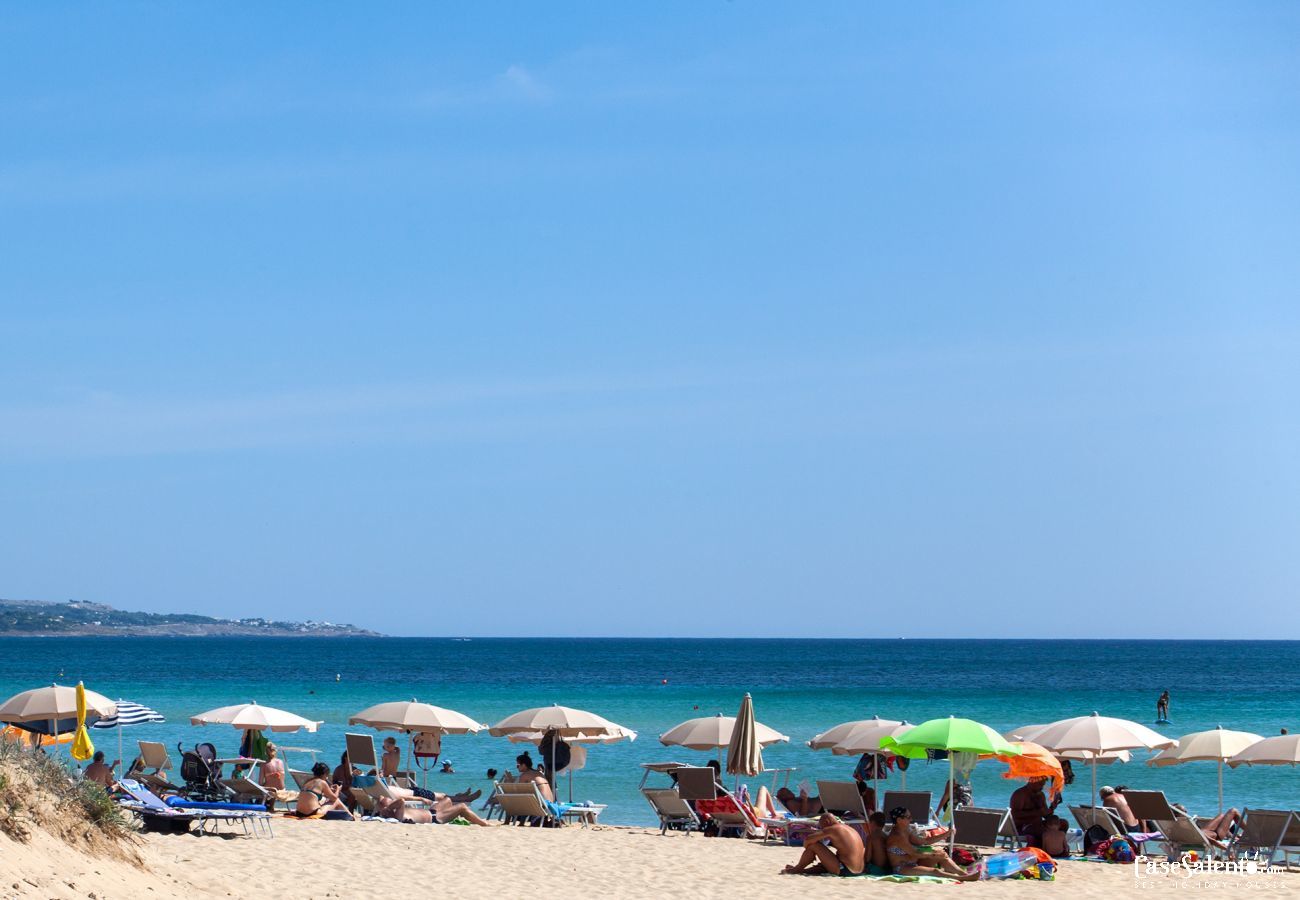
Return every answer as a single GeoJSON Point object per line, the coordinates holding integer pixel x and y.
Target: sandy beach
{"type": "Point", "coordinates": [374, 859]}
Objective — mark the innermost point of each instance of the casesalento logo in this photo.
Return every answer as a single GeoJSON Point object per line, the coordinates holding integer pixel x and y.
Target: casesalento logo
{"type": "Point", "coordinates": [1192, 870]}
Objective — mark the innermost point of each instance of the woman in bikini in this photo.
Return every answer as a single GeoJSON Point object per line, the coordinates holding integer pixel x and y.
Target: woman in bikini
{"type": "Point", "coordinates": [318, 794]}
{"type": "Point", "coordinates": [905, 859]}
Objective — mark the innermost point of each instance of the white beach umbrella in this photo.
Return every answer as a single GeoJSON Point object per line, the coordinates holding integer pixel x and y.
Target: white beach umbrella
{"type": "Point", "coordinates": [128, 713]}
{"type": "Point", "coordinates": [1027, 733]}
{"type": "Point", "coordinates": [1097, 734]}
{"type": "Point", "coordinates": [251, 717]}
{"type": "Point", "coordinates": [1280, 750]}
{"type": "Point", "coordinates": [564, 722]}
{"type": "Point", "coordinates": [863, 736]}
{"type": "Point", "coordinates": [1216, 745]}
{"type": "Point", "coordinates": [535, 737]}
{"type": "Point", "coordinates": [53, 710]}
{"type": "Point", "coordinates": [714, 733]}
{"type": "Point", "coordinates": [828, 739]}
{"type": "Point", "coordinates": [413, 716]}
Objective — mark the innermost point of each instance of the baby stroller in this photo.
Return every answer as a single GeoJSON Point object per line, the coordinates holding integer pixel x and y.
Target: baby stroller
{"type": "Point", "coordinates": [201, 772]}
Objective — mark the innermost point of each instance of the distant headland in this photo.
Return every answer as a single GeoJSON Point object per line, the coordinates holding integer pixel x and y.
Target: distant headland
{"type": "Point", "coordinates": [41, 618]}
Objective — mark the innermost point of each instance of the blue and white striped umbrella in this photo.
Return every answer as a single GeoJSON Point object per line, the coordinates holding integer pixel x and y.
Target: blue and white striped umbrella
{"type": "Point", "coordinates": [129, 713]}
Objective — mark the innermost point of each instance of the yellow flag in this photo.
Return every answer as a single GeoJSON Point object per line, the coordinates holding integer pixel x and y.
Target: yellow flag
{"type": "Point", "coordinates": [82, 748]}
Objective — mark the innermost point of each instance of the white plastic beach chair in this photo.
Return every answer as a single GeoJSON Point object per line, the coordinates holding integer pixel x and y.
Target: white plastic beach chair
{"type": "Point", "coordinates": [918, 803]}
{"type": "Point", "coordinates": [1269, 832]}
{"type": "Point", "coordinates": [1179, 829]}
{"type": "Point", "coordinates": [843, 799]}
{"type": "Point", "coordinates": [981, 828]}
{"type": "Point", "coordinates": [671, 809]}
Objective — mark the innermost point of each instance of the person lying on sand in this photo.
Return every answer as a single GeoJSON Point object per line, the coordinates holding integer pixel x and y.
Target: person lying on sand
{"type": "Point", "coordinates": [442, 811]}
{"type": "Point", "coordinates": [318, 794]}
{"type": "Point", "coordinates": [906, 859]}
{"type": "Point", "coordinates": [842, 853]}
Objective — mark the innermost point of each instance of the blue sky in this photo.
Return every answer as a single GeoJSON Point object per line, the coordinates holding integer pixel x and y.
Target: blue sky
{"type": "Point", "coordinates": [691, 319]}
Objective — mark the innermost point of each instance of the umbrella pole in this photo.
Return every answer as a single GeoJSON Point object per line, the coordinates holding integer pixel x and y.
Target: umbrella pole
{"type": "Point", "coordinates": [1094, 781]}
{"type": "Point", "coordinates": [952, 813]}
{"type": "Point", "coordinates": [1220, 786]}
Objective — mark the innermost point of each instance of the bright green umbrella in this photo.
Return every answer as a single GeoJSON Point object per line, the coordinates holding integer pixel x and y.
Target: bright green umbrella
{"type": "Point", "coordinates": [954, 736]}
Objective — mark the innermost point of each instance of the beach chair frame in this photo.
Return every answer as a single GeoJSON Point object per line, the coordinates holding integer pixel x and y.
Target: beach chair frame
{"type": "Point", "coordinates": [1180, 830]}
{"type": "Point", "coordinates": [918, 803]}
{"type": "Point", "coordinates": [844, 800]}
{"type": "Point", "coordinates": [982, 828]}
{"type": "Point", "coordinates": [1270, 831]}
{"type": "Point", "coordinates": [671, 809]}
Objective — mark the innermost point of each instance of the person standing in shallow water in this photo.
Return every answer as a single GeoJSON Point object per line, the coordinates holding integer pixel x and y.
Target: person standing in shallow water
{"type": "Point", "coordinates": [1162, 708]}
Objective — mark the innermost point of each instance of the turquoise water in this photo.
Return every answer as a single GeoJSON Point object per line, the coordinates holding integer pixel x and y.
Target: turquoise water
{"type": "Point", "coordinates": [800, 687]}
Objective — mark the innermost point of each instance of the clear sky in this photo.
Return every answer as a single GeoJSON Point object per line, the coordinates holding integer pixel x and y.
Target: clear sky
{"type": "Point", "coordinates": [711, 318]}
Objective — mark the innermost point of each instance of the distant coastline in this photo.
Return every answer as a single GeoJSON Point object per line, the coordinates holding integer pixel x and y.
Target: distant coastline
{"type": "Point", "coordinates": [76, 618]}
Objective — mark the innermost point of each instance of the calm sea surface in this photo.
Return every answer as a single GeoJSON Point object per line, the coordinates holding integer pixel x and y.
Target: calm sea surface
{"type": "Point", "coordinates": [800, 687]}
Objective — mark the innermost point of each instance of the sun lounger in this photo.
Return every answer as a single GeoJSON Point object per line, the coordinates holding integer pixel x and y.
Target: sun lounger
{"type": "Point", "coordinates": [1179, 829]}
{"type": "Point", "coordinates": [981, 828]}
{"type": "Point", "coordinates": [1100, 816]}
{"type": "Point", "coordinates": [1269, 832]}
{"type": "Point", "coordinates": [844, 799]}
{"type": "Point", "coordinates": [672, 810]}
{"type": "Point", "coordinates": [300, 778]}
{"type": "Point", "coordinates": [244, 790]}
{"type": "Point", "coordinates": [521, 801]}
{"type": "Point", "coordinates": [382, 793]}
{"type": "Point", "coordinates": [152, 810]}
{"type": "Point", "coordinates": [712, 802]}
{"type": "Point", "coordinates": [153, 756]}
{"type": "Point", "coordinates": [917, 802]}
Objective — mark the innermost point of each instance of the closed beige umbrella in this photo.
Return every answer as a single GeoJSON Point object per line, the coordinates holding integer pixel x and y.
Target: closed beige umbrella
{"type": "Point", "coordinates": [744, 753]}
{"type": "Point", "coordinates": [1216, 745]}
{"type": "Point", "coordinates": [714, 733]}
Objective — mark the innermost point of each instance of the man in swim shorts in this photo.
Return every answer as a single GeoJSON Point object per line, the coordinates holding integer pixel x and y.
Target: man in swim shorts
{"type": "Point", "coordinates": [834, 848]}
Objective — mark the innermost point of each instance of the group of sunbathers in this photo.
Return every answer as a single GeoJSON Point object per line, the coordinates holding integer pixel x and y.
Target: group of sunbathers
{"type": "Point", "coordinates": [325, 792]}
{"type": "Point", "coordinates": [840, 849]}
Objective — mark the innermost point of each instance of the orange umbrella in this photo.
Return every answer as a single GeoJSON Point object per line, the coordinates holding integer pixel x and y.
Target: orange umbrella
{"type": "Point", "coordinates": [1035, 762]}
{"type": "Point", "coordinates": [14, 734]}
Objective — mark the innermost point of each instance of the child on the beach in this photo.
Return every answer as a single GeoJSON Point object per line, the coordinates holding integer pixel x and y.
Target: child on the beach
{"type": "Point", "coordinates": [1055, 840]}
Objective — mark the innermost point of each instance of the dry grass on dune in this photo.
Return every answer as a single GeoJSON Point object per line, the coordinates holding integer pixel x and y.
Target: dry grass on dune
{"type": "Point", "coordinates": [36, 794]}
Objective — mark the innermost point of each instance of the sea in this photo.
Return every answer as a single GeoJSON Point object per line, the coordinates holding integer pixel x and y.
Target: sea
{"type": "Point", "coordinates": [799, 688]}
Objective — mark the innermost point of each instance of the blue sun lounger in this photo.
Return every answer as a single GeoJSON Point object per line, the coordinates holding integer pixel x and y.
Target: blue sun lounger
{"type": "Point", "coordinates": [177, 813]}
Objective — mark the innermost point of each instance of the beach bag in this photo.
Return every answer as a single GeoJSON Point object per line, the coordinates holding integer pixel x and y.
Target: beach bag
{"type": "Point", "coordinates": [1119, 851]}
{"type": "Point", "coordinates": [554, 752]}
{"type": "Point", "coordinates": [1095, 838]}
{"type": "Point", "coordinates": [426, 744]}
